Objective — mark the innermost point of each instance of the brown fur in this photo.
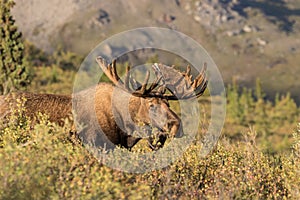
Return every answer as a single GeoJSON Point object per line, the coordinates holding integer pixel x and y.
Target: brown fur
{"type": "Point", "coordinates": [57, 107]}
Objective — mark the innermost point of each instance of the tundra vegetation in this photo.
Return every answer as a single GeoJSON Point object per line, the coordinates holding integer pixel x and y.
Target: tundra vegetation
{"type": "Point", "coordinates": [257, 157]}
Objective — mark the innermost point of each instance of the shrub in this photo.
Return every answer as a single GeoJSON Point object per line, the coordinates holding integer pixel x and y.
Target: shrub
{"type": "Point", "coordinates": [43, 161]}
{"type": "Point", "coordinates": [14, 72]}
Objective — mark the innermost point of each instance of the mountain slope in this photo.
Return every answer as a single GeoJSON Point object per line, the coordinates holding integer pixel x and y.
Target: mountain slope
{"type": "Point", "coordinates": [247, 39]}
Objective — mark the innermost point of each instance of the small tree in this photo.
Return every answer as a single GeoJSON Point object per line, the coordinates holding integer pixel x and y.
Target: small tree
{"type": "Point", "coordinates": [234, 108]}
{"type": "Point", "coordinates": [13, 73]}
{"type": "Point", "coordinates": [259, 91]}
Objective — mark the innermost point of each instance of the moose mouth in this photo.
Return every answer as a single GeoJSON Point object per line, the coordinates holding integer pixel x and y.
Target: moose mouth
{"type": "Point", "coordinates": [158, 139]}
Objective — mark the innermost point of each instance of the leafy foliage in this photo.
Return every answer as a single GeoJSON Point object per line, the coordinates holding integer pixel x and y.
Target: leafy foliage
{"type": "Point", "coordinates": [272, 120]}
{"type": "Point", "coordinates": [52, 73]}
{"type": "Point", "coordinates": [45, 161]}
{"type": "Point", "coordinates": [14, 71]}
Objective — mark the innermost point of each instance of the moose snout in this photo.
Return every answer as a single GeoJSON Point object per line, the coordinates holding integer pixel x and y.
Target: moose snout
{"type": "Point", "coordinates": [175, 128]}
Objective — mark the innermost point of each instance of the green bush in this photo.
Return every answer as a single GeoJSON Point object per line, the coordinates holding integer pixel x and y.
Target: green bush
{"type": "Point", "coordinates": [14, 69]}
{"type": "Point", "coordinates": [272, 120]}
{"type": "Point", "coordinates": [43, 161]}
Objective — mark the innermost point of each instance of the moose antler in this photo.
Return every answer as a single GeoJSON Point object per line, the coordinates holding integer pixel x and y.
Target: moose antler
{"type": "Point", "coordinates": [140, 90]}
{"type": "Point", "coordinates": [180, 84]}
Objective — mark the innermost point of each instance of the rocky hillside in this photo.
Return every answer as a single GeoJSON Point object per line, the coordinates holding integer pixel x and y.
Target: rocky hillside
{"type": "Point", "coordinates": [246, 38]}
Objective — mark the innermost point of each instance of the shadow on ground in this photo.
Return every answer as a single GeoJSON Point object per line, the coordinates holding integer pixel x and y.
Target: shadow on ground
{"type": "Point", "coordinates": [276, 12]}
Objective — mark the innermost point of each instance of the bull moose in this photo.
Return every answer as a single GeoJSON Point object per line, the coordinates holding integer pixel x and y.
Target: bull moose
{"type": "Point", "coordinates": [148, 103]}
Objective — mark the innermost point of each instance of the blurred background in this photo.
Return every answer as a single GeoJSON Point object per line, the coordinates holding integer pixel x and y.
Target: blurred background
{"type": "Point", "coordinates": [247, 39]}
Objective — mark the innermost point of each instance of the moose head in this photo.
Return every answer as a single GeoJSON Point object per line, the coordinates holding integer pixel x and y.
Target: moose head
{"type": "Point", "coordinates": [149, 102]}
